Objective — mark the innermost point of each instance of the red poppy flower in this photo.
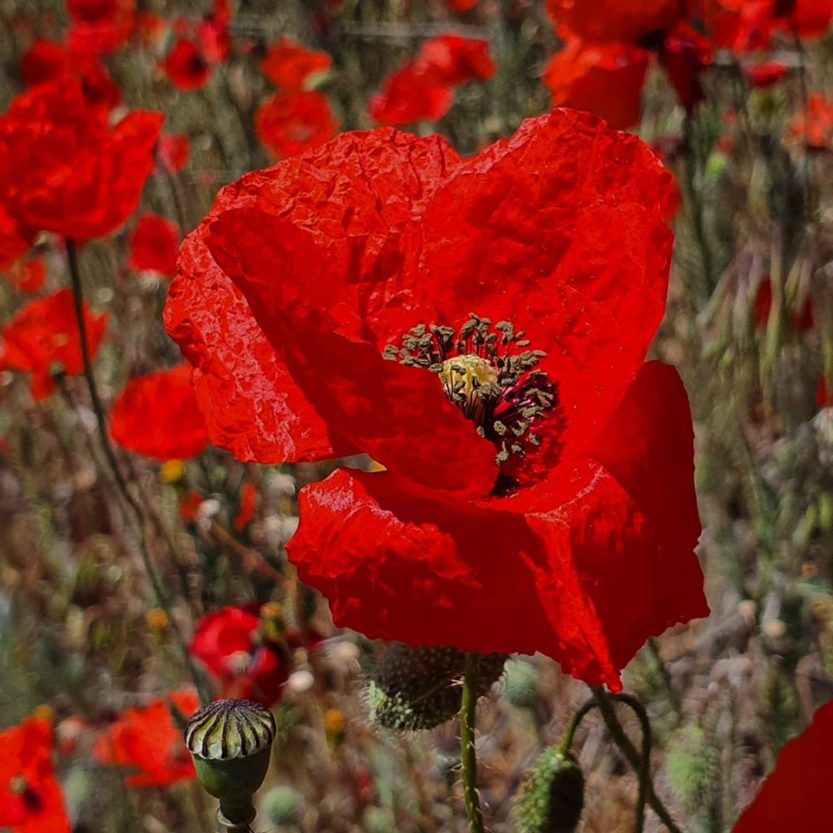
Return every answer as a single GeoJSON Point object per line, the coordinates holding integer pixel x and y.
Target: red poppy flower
{"type": "Point", "coordinates": [157, 415]}
{"type": "Point", "coordinates": [289, 123]}
{"type": "Point", "coordinates": [14, 241]}
{"type": "Point", "coordinates": [147, 741]}
{"type": "Point", "coordinates": [27, 275]}
{"type": "Point", "coordinates": [64, 169]}
{"type": "Point", "coordinates": [31, 800]}
{"type": "Point", "coordinates": [100, 26]}
{"type": "Point", "coordinates": [684, 54]}
{"type": "Point", "coordinates": [461, 5]}
{"type": "Point", "coordinates": [235, 647]}
{"type": "Point", "coordinates": [616, 21]}
{"type": "Point", "coordinates": [824, 394]}
{"type": "Point", "coordinates": [154, 245]}
{"type": "Point", "coordinates": [173, 152]}
{"type": "Point", "coordinates": [213, 33]}
{"type": "Point", "coordinates": [248, 504]}
{"type": "Point", "coordinates": [766, 74]}
{"type": "Point", "coordinates": [288, 65]}
{"type": "Point", "coordinates": [411, 95]}
{"type": "Point", "coordinates": [186, 66]}
{"type": "Point", "coordinates": [564, 519]}
{"type": "Point", "coordinates": [797, 795]}
{"type": "Point", "coordinates": [451, 60]}
{"type": "Point", "coordinates": [603, 79]}
{"type": "Point", "coordinates": [43, 338]}
{"type": "Point", "coordinates": [45, 61]}
{"type": "Point", "coordinates": [815, 128]}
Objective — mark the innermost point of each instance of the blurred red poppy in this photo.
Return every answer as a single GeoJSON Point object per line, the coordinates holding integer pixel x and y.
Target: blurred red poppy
{"type": "Point", "coordinates": [42, 339]}
{"type": "Point", "coordinates": [247, 656]}
{"type": "Point", "coordinates": [46, 61]}
{"type": "Point", "coordinates": [289, 123]}
{"type": "Point", "coordinates": [616, 21]}
{"type": "Point", "coordinates": [173, 152]}
{"type": "Point", "coordinates": [537, 492]}
{"type": "Point", "coordinates": [453, 60]}
{"type": "Point", "coordinates": [603, 79]}
{"type": "Point", "coordinates": [288, 65]}
{"type": "Point", "coordinates": [148, 742]}
{"type": "Point", "coordinates": [797, 795]}
{"type": "Point", "coordinates": [26, 275]}
{"type": "Point", "coordinates": [815, 128]}
{"type": "Point", "coordinates": [100, 26]}
{"type": "Point", "coordinates": [157, 415]}
{"type": "Point", "coordinates": [765, 75]}
{"type": "Point", "coordinates": [213, 33]}
{"type": "Point", "coordinates": [187, 66]}
{"type": "Point", "coordinates": [824, 394]}
{"type": "Point", "coordinates": [14, 241]}
{"type": "Point", "coordinates": [461, 5]}
{"type": "Point", "coordinates": [64, 169]}
{"type": "Point", "coordinates": [248, 504]}
{"type": "Point", "coordinates": [411, 95]}
{"type": "Point", "coordinates": [684, 54]}
{"type": "Point", "coordinates": [154, 245]}
{"type": "Point", "coordinates": [31, 800]}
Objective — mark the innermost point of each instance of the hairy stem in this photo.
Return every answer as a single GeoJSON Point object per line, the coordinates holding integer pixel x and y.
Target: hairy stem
{"type": "Point", "coordinates": [468, 753]}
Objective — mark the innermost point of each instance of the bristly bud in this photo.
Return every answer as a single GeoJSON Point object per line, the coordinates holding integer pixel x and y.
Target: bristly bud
{"type": "Point", "coordinates": [551, 797]}
{"type": "Point", "coordinates": [230, 742]}
{"type": "Point", "coordinates": [420, 688]}
{"type": "Point", "coordinates": [520, 684]}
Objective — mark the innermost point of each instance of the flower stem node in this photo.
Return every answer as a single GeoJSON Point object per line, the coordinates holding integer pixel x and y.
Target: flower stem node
{"type": "Point", "coordinates": [230, 742]}
{"type": "Point", "coordinates": [419, 688]}
{"type": "Point", "coordinates": [551, 797]}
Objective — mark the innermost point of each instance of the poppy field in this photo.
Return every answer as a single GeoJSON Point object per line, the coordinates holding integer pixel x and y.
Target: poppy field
{"type": "Point", "coordinates": [416, 416]}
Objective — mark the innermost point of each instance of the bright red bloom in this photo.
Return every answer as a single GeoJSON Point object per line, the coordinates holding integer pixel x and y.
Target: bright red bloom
{"type": "Point", "coordinates": [100, 26]}
{"type": "Point", "coordinates": [27, 275]}
{"type": "Point", "coordinates": [616, 21]}
{"type": "Point", "coordinates": [606, 80]}
{"type": "Point", "coordinates": [235, 647]}
{"type": "Point", "coordinates": [576, 541]}
{"type": "Point", "coordinates": [411, 95]}
{"type": "Point", "coordinates": [154, 245]}
{"type": "Point", "coordinates": [452, 60]}
{"type": "Point", "coordinates": [31, 800]}
{"type": "Point", "coordinates": [288, 65]}
{"type": "Point", "coordinates": [173, 152]}
{"type": "Point", "coordinates": [46, 61]}
{"type": "Point", "coordinates": [213, 33]}
{"type": "Point", "coordinates": [157, 415]}
{"type": "Point", "coordinates": [14, 241]}
{"type": "Point", "coordinates": [684, 55]}
{"type": "Point", "coordinates": [815, 128]}
{"type": "Point", "coordinates": [289, 123]}
{"type": "Point", "coordinates": [797, 795]}
{"type": "Point", "coordinates": [765, 75]}
{"type": "Point", "coordinates": [43, 338]}
{"type": "Point", "coordinates": [187, 66]}
{"type": "Point", "coordinates": [64, 169]}
{"type": "Point", "coordinates": [147, 741]}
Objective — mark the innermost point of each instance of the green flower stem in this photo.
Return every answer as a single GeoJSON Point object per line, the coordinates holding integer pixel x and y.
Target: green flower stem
{"type": "Point", "coordinates": [641, 763]}
{"type": "Point", "coordinates": [104, 436]}
{"type": "Point", "coordinates": [567, 743]}
{"type": "Point", "coordinates": [468, 752]}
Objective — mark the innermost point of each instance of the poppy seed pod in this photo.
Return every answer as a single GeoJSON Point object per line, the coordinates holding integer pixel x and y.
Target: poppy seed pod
{"type": "Point", "coordinates": [230, 742]}
{"type": "Point", "coordinates": [419, 688]}
{"type": "Point", "coordinates": [551, 797]}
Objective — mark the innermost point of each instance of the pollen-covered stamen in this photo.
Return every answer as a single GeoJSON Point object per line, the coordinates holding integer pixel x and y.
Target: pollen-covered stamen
{"type": "Point", "coordinates": [489, 374]}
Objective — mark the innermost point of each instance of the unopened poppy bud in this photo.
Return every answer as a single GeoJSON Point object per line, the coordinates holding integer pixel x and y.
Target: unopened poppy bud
{"type": "Point", "coordinates": [335, 725]}
{"type": "Point", "coordinates": [520, 684]}
{"type": "Point", "coordinates": [230, 742]}
{"type": "Point", "coordinates": [551, 797]}
{"type": "Point", "coordinates": [419, 688]}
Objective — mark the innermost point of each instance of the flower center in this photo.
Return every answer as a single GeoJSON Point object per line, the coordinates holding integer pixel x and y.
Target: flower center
{"type": "Point", "coordinates": [488, 372]}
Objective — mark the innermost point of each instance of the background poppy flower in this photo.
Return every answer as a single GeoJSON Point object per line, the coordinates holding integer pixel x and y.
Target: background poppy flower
{"type": "Point", "coordinates": [173, 152]}
{"type": "Point", "coordinates": [186, 66]}
{"type": "Point", "coordinates": [14, 241]}
{"type": "Point", "coordinates": [815, 128]}
{"type": "Point", "coordinates": [154, 245]}
{"type": "Point", "coordinates": [27, 275]}
{"type": "Point", "coordinates": [580, 545]}
{"type": "Point", "coordinates": [31, 800]}
{"type": "Point", "coordinates": [46, 61]}
{"type": "Point", "coordinates": [64, 169]}
{"type": "Point", "coordinates": [411, 95]}
{"type": "Point", "coordinates": [454, 60]}
{"type": "Point", "coordinates": [235, 647]}
{"type": "Point", "coordinates": [288, 65]}
{"type": "Point", "coordinates": [617, 21]}
{"type": "Point", "coordinates": [290, 123]}
{"type": "Point", "coordinates": [797, 794]}
{"type": "Point", "coordinates": [603, 79]}
{"type": "Point", "coordinates": [147, 741]}
{"type": "Point", "coordinates": [100, 26]}
{"type": "Point", "coordinates": [157, 415]}
{"type": "Point", "coordinates": [42, 339]}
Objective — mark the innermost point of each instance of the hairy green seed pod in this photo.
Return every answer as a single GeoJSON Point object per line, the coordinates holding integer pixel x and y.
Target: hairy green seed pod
{"type": "Point", "coordinates": [420, 688]}
{"type": "Point", "coordinates": [283, 805]}
{"type": "Point", "coordinates": [230, 742]}
{"type": "Point", "coordinates": [551, 797]}
{"type": "Point", "coordinates": [520, 684]}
